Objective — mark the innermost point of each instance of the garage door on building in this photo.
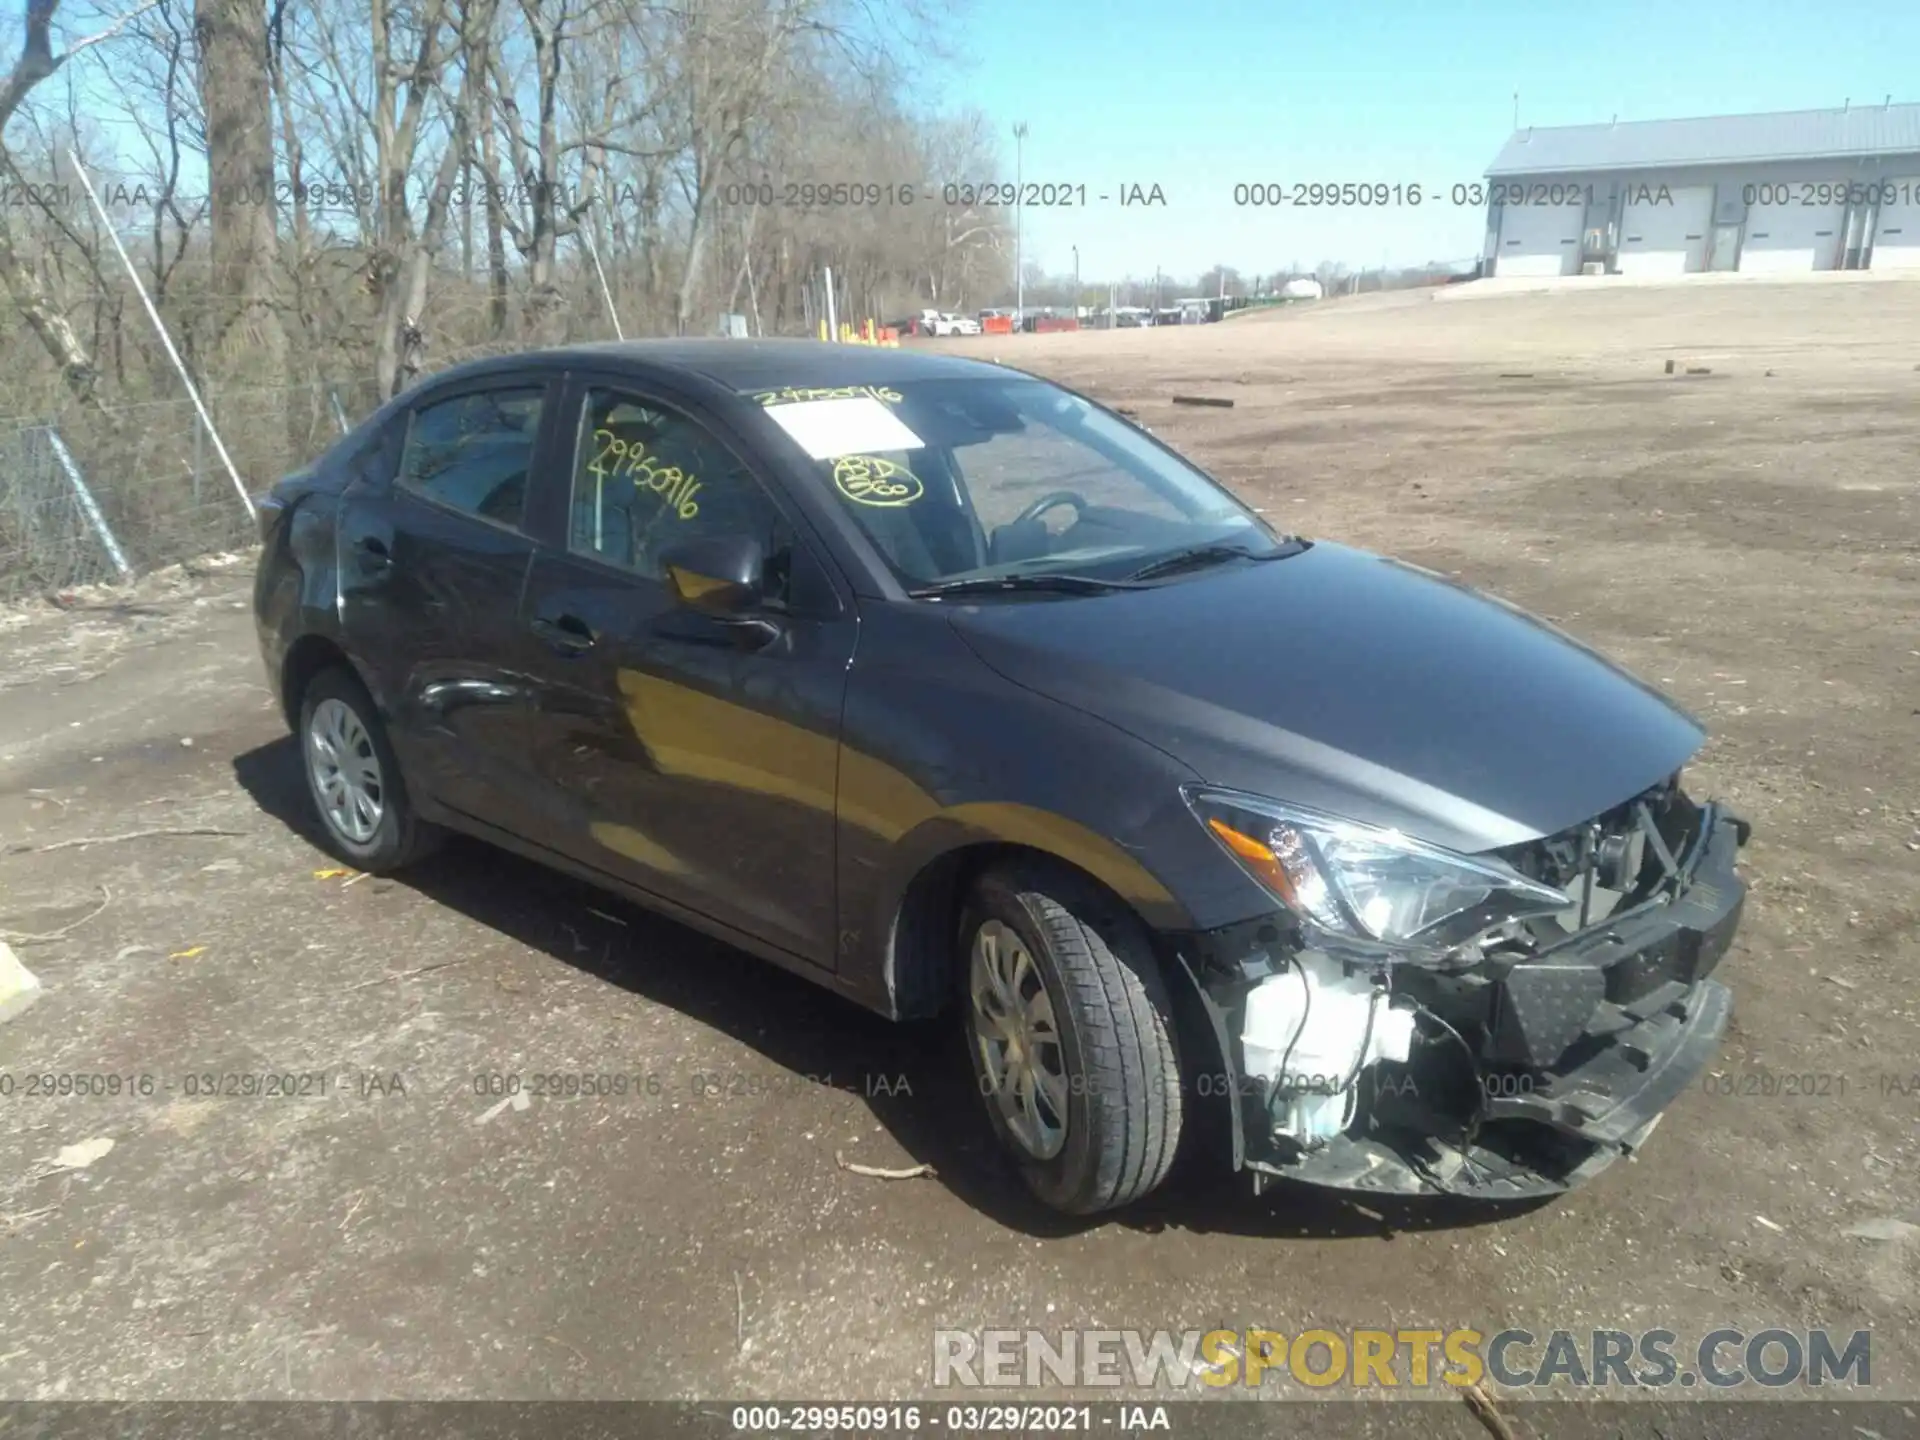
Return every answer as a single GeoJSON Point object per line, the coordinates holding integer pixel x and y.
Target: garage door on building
{"type": "Point", "coordinates": [1896, 235]}
{"type": "Point", "coordinates": [1539, 239]}
{"type": "Point", "coordinates": [1664, 230]}
{"type": "Point", "coordinates": [1790, 235]}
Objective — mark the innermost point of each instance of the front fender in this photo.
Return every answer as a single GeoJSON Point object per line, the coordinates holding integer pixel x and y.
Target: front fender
{"type": "Point", "coordinates": [1009, 823]}
{"type": "Point", "coordinates": [941, 756]}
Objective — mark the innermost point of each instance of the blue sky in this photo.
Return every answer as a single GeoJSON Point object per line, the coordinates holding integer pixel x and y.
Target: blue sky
{"type": "Point", "coordinates": [1198, 95]}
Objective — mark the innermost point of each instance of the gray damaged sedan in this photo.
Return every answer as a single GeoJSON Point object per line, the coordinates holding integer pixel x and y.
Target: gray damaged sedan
{"type": "Point", "coordinates": [957, 693]}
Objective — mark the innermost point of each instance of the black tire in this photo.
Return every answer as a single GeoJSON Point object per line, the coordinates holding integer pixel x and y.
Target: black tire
{"type": "Point", "coordinates": [1116, 1036]}
{"type": "Point", "coordinates": [400, 837]}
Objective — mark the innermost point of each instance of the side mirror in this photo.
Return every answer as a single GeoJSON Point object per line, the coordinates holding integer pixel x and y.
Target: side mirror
{"type": "Point", "coordinates": [720, 575]}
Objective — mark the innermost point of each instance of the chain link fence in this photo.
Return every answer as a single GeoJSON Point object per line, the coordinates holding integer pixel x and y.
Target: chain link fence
{"type": "Point", "coordinates": [48, 536]}
{"type": "Point", "coordinates": [107, 494]}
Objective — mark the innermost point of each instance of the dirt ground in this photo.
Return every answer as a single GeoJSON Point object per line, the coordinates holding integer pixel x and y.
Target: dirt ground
{"type": "Point", "coordinates": [1748, 538]}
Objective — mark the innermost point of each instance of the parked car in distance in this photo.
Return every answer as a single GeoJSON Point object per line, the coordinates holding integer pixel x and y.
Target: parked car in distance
{"type": "Point", "coordinates": [959, 694]}
{"type": "Point", "coordinates": [938, 322]}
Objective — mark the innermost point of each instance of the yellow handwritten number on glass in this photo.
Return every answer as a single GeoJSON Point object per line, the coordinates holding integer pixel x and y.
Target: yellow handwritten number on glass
{"type": "Point", "coordinates": [793, 395]}
{"type": "Point", "coordinates": [670, 482]}
{"type": "Point", "coordinates": [871, 480]}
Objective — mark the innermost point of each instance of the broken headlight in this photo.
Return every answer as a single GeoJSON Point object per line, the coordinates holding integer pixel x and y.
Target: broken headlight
{"type": "Point", "coordinates": [1362, 883]}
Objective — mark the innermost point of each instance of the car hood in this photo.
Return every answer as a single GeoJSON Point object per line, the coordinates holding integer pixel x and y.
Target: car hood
{"type": "Point", "coordinates": [1354, 684]}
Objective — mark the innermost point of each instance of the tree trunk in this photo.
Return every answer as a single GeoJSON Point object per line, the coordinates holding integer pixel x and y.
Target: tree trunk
{"type": "Point", "coordinates": [237, 95]}
{"type": "Point", "coordinates": [403, 296]}
{"type": "Point", "coordinates": [496, 225]}
{"type": "Point", "coordinates": [244, 324]}
{"type": "Point", "coordinates": [543, 299]}
{"type": "Point", "coordinates": [48, 321]}
{"type": "Point", "coordinates": [696, 247]}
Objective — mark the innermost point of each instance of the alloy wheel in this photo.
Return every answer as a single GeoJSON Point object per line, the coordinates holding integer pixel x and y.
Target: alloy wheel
{"type": "Point", "coordinates": [346, 771]}
{"type": "Point", "coordinates": [1022, 1063]}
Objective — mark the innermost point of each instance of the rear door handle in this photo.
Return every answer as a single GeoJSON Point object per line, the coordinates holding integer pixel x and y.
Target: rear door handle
{"type": "Point", "coordinates": [373, 553]}
{"type": "Point", "coordinates": [568, 634]}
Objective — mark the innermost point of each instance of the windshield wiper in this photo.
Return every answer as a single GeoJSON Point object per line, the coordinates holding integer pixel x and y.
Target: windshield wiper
{"type": "Point", "coordinates": [1200, 556]}
{"type": "Point", "coordinates": [996, 584]}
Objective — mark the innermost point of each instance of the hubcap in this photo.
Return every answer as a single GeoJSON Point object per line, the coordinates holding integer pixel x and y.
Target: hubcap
{"type": "Point", "coordinates": [1023, 1068]}
{"type": "Point", "coordinates": [346, 771]}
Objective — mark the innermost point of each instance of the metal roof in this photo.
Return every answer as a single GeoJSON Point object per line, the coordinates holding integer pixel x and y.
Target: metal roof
{"type": "Point", "coordinates": [749, 365]}
{"type": "Point", "coordinates": [1849, 132]}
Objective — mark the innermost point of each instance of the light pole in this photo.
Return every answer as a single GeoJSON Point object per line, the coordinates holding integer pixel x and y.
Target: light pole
{"type": "Point", "coordinates": [1076, 287]}
{"type": "Point", "coordinates": [1019, 263]}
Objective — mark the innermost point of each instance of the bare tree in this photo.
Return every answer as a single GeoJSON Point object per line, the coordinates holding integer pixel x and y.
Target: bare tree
{"type": "Point", "coordinates": [732, 55]}
{"type": "Point", "coordinates": [546, 208]}
{"type": "Point", "coordinates": [969, 249]}
{"type": "Point", "coordinates": [423, 79]}
{"type": "Point", "coordinates": [631, 117]}
{"type": "Point", "coordinates": [37, 63]}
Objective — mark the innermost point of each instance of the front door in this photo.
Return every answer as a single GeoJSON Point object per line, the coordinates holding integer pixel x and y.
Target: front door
{"type": "Point", "coordinates": [432, 562]}
{"type": "Point", "coordinates": [695, 758]}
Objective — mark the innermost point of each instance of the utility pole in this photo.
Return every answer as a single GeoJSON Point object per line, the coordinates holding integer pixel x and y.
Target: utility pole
{"type": "Point", "coordinates": [1076, 285]}
{"type": "Point", "coordinates": [1019, 262]}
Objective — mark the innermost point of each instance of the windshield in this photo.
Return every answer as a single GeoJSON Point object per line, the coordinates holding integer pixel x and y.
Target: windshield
{"type": "Point", "coordinates": [978, 478]}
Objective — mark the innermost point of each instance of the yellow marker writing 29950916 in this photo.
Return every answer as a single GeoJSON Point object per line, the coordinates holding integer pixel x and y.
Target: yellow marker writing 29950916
{"type": "Point", "coordinates": [614, 457]}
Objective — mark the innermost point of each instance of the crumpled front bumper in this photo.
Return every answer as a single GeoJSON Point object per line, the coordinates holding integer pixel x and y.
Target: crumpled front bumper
{"type": "Point", "coordinates": [1550, 1103]}
{"type": "Point", "coordinates": [1590, 1116]}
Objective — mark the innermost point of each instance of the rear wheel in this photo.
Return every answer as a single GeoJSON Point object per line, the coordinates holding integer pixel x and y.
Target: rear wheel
{"type": "Point", "coordinates": [1071, 1033]}
{"type": "Point", "coordinates": [354, 778]}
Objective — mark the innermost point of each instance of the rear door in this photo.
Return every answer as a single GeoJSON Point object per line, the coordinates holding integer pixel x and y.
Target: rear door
{"type": "Point", "coordinates": [692, 757]}
{"type": "Point", "coordinates": [433, 558]}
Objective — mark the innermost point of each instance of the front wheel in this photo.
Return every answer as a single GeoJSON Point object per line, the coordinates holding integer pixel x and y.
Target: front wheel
{"type": "Point", "coordinates": [1071, 1033]}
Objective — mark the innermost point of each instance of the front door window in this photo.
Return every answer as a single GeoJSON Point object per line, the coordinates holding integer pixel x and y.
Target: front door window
{"type": "Point", "coordinates": [647, 478]}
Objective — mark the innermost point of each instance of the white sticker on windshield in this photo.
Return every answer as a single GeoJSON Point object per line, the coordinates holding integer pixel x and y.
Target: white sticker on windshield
{"type": "Point", "coordinates": [828, 429]}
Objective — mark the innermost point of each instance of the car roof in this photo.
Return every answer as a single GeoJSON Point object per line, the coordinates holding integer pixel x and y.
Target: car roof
{"type": "Point", "coordinates": [745, 365]}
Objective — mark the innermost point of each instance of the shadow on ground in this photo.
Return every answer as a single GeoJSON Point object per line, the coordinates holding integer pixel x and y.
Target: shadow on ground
{"type": "Point", "coordinates": [915, 1078]}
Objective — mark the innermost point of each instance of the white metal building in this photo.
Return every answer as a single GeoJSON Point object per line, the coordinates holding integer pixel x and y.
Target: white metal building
{"type": "Point", "coordinates": [1800, 190]}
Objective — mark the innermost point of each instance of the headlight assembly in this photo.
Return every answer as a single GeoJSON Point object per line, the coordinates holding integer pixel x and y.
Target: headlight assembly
{"type": "Point", "coordinates": [1362, 883]}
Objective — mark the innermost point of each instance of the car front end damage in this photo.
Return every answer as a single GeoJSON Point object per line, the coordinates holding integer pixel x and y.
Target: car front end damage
{"type": "Point", "coordinates": [1515, 1048]}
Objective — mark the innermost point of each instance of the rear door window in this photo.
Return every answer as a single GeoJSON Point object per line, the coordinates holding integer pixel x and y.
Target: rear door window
{"type": "Point", "coordinates": [473, 452]}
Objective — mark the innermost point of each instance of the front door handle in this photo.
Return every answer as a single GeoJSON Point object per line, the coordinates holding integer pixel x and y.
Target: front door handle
{"type": "Point", "coordinates": [568, 634]}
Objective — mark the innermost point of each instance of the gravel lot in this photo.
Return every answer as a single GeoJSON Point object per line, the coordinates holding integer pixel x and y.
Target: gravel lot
{"type": "Point", "coordinates": [1748, 538]}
